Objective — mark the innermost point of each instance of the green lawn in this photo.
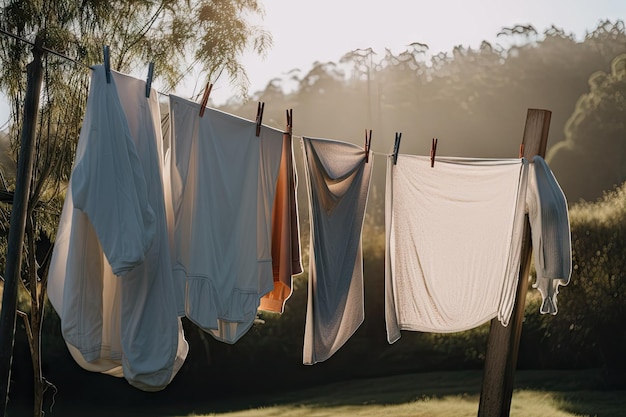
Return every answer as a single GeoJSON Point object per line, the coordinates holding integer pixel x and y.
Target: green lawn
{"type": "Point", "coordinates": [538, 393]}
{"type": "Point", "coordinates": [432, 394]}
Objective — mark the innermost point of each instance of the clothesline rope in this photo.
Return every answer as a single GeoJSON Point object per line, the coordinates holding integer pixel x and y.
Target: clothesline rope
{"type": "Point", "coordinates": [373, 152]}
{"type": "Point", "coordinates": [82, 64]}
{"type": "Point", "coordinates": [60, 55]}
{"type": "Point", "coordinates": [166, 94]}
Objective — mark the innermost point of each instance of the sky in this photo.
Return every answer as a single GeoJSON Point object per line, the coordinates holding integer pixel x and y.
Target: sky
{"type": "Point", "coordinates": [306, 31]}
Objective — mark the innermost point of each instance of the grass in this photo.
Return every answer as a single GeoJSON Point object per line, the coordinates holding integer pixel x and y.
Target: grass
{"type": "Point", "coordinates": [538, 393]}
{"type": "Point", "coordinates": [432, 394]}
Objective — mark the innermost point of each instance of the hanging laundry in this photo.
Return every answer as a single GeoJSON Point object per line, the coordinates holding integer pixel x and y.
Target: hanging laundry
{"type": "Point", "coordinates": [551, 236]}
{"type": "Point", "coordinates": [223, 181]}
{"type": "Point", "coordinates": [286, 260]}
{"type": "Point", "coordinates": [110, 276]}
{"type": "Point", "coordinates": [454, 235]}
{"type": "Point", "coordinates": [338, 180]}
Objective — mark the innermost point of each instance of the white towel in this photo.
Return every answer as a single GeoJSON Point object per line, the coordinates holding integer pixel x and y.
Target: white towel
{"type": "Point", "coordinates": [453, 242]}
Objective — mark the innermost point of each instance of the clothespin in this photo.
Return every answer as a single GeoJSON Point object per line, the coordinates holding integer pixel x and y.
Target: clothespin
{"type": "Point", "coordinates": [289, 121]}
{"type": "Point", "coordinates": [521, 149]}
{"type": "Point", "coordinates": [107, 63]}
{"type": "Point", "coordinates": [368, 144]}
{"type": "Point", "coordinates": [205, 98]}
{"type": "Point", "coordinates": [149, 79]}
{"type": "Point", "coordinates": [259, 117]}
{"type": "Point", "coordinates": [433, 151]}
{"type": "Point", "coordinates": [396, 148]}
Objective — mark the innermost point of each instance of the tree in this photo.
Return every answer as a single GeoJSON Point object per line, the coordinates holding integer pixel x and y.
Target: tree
{"type": "Point", "coordinates": [595, 138]}
{"type": "Point", "coordinates": [589, 328]}
{"type": "Point", "coordinates": [177, 35]}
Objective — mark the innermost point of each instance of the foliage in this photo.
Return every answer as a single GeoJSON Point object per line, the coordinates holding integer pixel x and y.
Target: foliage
{"type": "Point", "coordinates": [596, 131]}
{"type": "Point", "coordinates": [589, 327]}
{"type": "Point", "coordinates": [473, 99]}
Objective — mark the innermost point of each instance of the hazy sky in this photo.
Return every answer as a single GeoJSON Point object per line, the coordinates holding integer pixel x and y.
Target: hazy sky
{"type": "Point", "coordinates": [305, 31]}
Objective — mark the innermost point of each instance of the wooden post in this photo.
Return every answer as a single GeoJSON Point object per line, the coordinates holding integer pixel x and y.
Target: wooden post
{"type": "Point", "coordinates": [18, 222]}
{"type": "Point", "coordinates": [503, 343]}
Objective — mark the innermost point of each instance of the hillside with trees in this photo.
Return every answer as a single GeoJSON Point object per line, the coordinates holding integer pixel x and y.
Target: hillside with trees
{"type": "Point", "coordinates": [473, 100]}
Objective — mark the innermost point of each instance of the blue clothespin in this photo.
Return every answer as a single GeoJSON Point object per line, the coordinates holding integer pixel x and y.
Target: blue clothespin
{"type": "Point", "coordinates": [396, 148]}
{"type": "Point", "coordinates": [107, 63]}
{"type": "Point", "coordinates": [368, 144]}
{"type": "Point", "coordinates": [149, 79]}
{"type": "Point", "coordinates": [259, 117]}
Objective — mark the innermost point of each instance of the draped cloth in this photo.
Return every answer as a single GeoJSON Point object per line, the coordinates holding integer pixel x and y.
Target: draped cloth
{"type": "Point", "coordinates": [110, 277]}
{"type": "Point", "coordinates": [453, 242]}
{"type": "Point", "coordinates": [286, 260]}
{"type": "Point", "coordinates": [338, 180]}
{"type": "Point", "coordinates": [454, 235]}
{"type": "Point", "coordinates": [223, 180]}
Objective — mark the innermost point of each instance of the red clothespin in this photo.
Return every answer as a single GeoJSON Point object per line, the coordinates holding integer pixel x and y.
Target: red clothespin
{"type": "Point", "coordinates": [368, 144]}
{"type": "Point", "coordinates": [396, 147]}
{"type": "Point", "coordinates": [521, 149]}
{"type": "Point", "coordinates": [433, 151]}
{"type": "Point", "coordinates": [289, 121]}
{"type": "Point", "coordinates": [259, 117]}
{"type": "Point", "coordinates": [205, 98]}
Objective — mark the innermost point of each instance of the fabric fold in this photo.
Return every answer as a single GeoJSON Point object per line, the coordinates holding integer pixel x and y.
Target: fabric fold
{"type": "Point", "coordinates": [454, 235]}
{"type": "Point", "coordinates": [338, 180]}
{"type": "Point", "coordinates": [110, 276]}
{"type": "Point", "coordinates": [551, 234]}
{"type": "Point", "coordinates": [223, 181]}
{"type": "Point", "coordinates": [286, 260]}
{"type": "Point", "coordinates": [453, 242]}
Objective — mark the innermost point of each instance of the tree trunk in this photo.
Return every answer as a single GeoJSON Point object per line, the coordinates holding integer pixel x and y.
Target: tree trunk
{"type": "Point", "coordinates": [12, 276]}
{"type": "Point", "coordinates": [36, 318]}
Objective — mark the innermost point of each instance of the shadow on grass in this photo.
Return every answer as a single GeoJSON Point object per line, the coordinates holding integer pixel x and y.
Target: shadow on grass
{"type": "Point", "coordinates": [576, 392]}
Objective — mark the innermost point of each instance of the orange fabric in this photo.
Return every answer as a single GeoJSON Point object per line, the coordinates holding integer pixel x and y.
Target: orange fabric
{"type": "Point", "coordinates": [285, 233]}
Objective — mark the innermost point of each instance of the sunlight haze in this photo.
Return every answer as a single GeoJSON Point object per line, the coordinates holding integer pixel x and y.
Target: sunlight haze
{"type": "Point", "coordinates": [324, 30]}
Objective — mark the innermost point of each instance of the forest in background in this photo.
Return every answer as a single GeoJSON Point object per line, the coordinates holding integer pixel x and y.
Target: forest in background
{"type": "Point", "coordinates": [474, 102]}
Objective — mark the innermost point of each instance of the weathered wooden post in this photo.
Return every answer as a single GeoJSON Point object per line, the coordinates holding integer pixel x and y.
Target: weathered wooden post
{"type": "Point", "coordinates": [503, 343]}
{"type": "Point", "coordinates": [18, 222]}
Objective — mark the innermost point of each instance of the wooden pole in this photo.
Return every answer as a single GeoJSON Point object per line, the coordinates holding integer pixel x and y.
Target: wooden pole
{"type": "Point", "coordinates": [18, 222]}
{"type": "Point", "coordinates": [503, 343]}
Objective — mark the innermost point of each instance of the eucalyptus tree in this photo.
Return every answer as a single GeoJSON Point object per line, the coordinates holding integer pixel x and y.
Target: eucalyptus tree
{"type": "Point", "coordinates": [179, 36]}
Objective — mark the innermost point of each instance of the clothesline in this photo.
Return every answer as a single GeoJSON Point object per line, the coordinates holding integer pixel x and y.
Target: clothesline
{"type": "Point", "coordinates": [60, 55]}
{"type": "Point", "coordinates": [218, 283]}
{"type": "Point", "coordinates": [373, 152]}
{"type": "Point", "coordinates": [82, 64]}
{"type": "Point", "coordinates": [166, 94]}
